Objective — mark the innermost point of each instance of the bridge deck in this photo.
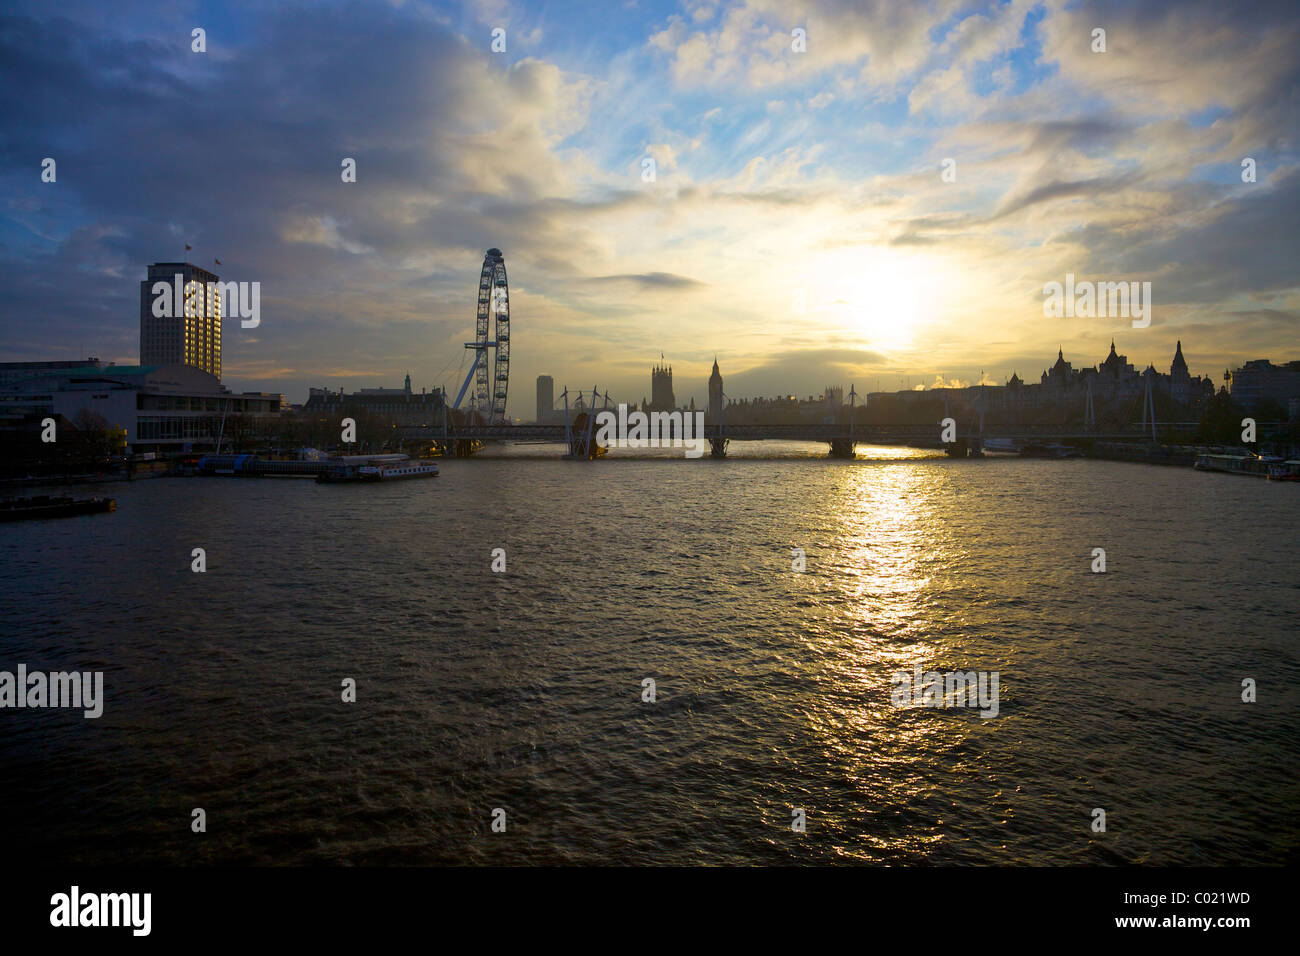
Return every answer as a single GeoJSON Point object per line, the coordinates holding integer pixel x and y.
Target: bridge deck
{"type": "Point", "coordinates": [927, 436]}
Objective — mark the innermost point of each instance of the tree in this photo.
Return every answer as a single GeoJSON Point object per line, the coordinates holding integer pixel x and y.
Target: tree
{"type": "Point", "coordinates": [1221, 422]}
{"type": "Point", "coordinates": [91, 439]}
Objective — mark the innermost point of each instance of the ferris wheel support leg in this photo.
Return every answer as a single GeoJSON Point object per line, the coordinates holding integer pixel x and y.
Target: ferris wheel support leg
{"type": "Point", "coordinates": [478, 357]}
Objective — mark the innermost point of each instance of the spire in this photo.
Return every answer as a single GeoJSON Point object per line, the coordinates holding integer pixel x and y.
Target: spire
{"type": "Point", "coordinates": [1179, 367]}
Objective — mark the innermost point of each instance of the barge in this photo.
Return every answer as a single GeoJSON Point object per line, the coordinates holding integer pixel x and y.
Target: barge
{"type": "Point", "coordinates": [1249, 465]}
{"type": "Point", "coordinates": [45, 506]}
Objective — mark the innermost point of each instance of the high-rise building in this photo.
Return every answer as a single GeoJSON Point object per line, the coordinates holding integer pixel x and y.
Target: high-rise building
{"type": "Point", "coordinates": [661, 389]}
{"type": "Point", "coordinates": [545, 399]}
{"type": "Point", "coordinates": [184, 332]}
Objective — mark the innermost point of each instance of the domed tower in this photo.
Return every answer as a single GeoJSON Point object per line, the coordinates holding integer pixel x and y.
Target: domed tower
{"type": "Point", "coordinates": [1115, 364]}
{"type": "Point", "coordinates": [1060, 373]}
{"type": "Point", "coordinates": [715, 394]}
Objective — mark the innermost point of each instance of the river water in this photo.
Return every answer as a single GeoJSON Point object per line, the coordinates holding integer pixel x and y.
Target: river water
{"type": "Point", "coordinates": [523, 690]}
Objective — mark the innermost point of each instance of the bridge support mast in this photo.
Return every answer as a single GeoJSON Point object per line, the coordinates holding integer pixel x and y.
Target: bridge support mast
{"type": "Point", "coordinates": [1149, 409]}
{"type": "Point", "coordinates": [580, 434]}
{"type": "Point", "coordinates": [718, 443]}
{"type": "Point", "coordinates": [844, 447]}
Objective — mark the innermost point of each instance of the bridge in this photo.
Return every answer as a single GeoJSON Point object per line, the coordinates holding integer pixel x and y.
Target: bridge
{"type": "Point", "coordinates": [842, 438]}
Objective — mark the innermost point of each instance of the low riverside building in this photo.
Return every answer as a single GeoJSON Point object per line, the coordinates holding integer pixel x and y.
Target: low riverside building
{"type": "Point", "coordinates": [14, 373]}
{"type": "Point", "coordinates": [1261, 379]}
{"type": "Point", "coordinates": [401, 406]}
{"type": "Point", "coordinates": [1114, 380]}
{"type": "Point", "coordinates": [1114, 387]}
{"type": "Point", "coordinates": [160, 407]}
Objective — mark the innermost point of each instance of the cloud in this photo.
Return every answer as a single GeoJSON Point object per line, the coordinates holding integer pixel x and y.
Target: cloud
{"type": "Point", "coordinates": [1055, 190]}
{"type": "Point", "coordinates": [321, 231]}
{"type": "Point", "coordinates": [753, 43]}
{"type": "Point", "coordinates": [652, 280]}
{"type": "Point", "coordinates": [779, 172]}
{"type": "Point", "coordinates": [800, 371]}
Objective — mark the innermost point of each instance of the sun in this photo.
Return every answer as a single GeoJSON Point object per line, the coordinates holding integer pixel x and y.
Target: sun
{"type": "Point", "coordinates": [881, 297]}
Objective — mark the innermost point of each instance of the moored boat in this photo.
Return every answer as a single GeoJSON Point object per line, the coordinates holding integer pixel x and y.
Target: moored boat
{"type": "Point", "coordinates": [1284, 470]}
{"type": "Point", "coordinates": [388, 469]}
{"type": "Point", "coordinates": [338, 474]}
{"type": "Point", "coordinates": [1248, 465]}
{"type": "Point", "coordinates": [45, 506]}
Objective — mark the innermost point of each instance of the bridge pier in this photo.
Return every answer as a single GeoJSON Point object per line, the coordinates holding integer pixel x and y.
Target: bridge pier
{"type": "Point", "coordinates": [842, 448]}
{"type": "Point", "coordinates": [718, 447]}
{"type": "Point", "coordinates": [581, 450]}
{"type": "Point", "coordinates": [458, 447]}
{"type": "Point", "coordinates": [583, 445]}
{"type": "Point", "coordinates": [965, 448]}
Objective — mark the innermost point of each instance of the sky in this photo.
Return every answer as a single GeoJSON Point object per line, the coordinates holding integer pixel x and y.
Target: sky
{"type": "Point", "coordinates": [843, 192]}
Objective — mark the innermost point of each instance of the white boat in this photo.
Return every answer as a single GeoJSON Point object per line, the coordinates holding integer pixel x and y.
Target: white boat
{"type": "Point", "coordinates": [390, 471]}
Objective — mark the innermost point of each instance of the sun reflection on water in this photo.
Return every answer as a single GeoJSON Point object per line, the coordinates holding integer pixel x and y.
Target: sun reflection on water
{"type": "Point", "coordinates": [884, 581]}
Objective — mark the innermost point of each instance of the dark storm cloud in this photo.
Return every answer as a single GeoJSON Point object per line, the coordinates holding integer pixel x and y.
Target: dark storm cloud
{"type": "Point", "coordinates": [237, 152]}
{"type": "Point", "coordinates": [1246, 244]}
